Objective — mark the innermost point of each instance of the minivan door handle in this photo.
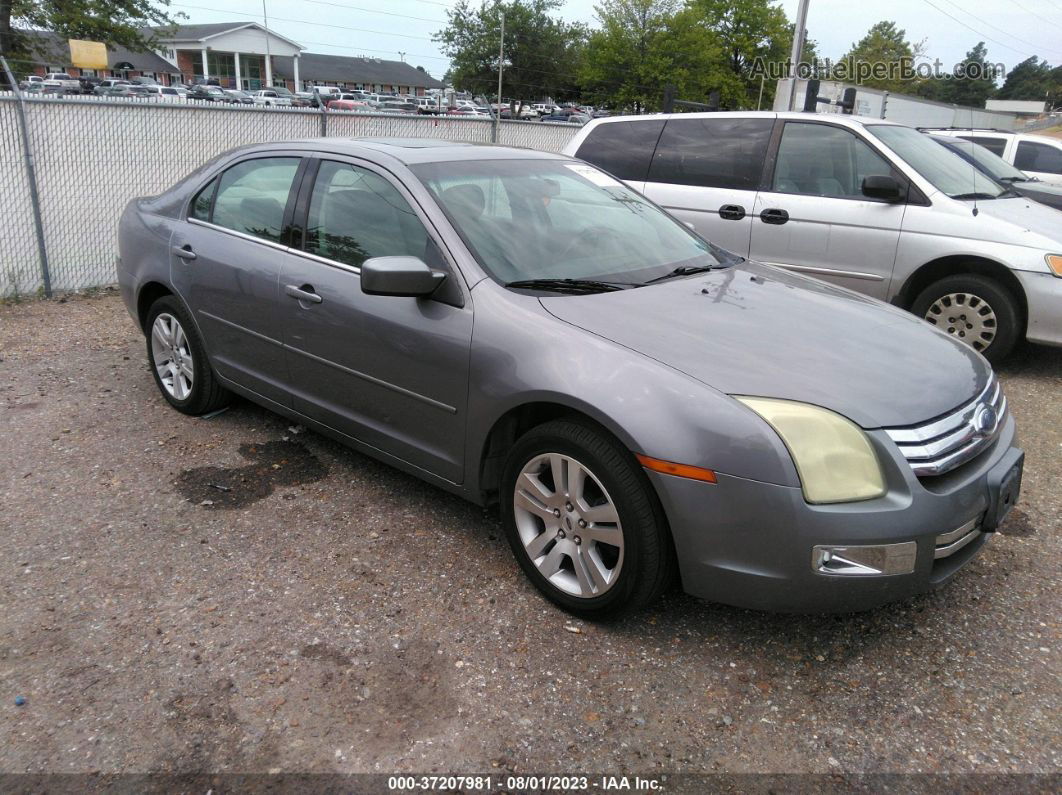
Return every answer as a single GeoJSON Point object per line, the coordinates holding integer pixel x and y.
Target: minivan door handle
{"type": "Point", "coordinates": [774, 216]}
{"type": "Point", "coordinates": [731, 212]}
{"type": "Point", "coordinates": [303, 293]}
{"type": "Point", "coordinates": [184, 252]}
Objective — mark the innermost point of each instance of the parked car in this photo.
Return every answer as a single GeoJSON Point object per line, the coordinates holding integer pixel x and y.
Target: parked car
{"type": "Point", "coordinates": [208, 93]}
{"type": "Point", "coordinates": [396, 105]}
{"type": "Point", "coordinates": [129, 90]}
{"type": "Point", "coordinates": [1038, 156]}
{"type": "Point", "coordinates": [269, 97]}
{"type": "Point", "coordinates": [309, 99]}
{"type": "Point", "coordinates": [169, 93]}
{"type": "Point", "coordinates": [636, 400]}
{"type": "Point", "coordinates": [87, 84]}
{"type": "Point", "coordinates": [565, 116]}
{"type": "Point", "coordinates": [349, 102]}
{"type": "Point", "coordinates": [104, 85]}
{"type": "Point", "coordinates": [870, 205]}
{"type": "Point", "coordinates": [143, 81]}
{"type": "Point", "coordinates": [1003, 172]}
{"type": "Point", "coordinates": [32, 80]}
{"type": "Point", "coordinates": [61, 81]}
{"type": "Point", "coordinates": [238, 97]}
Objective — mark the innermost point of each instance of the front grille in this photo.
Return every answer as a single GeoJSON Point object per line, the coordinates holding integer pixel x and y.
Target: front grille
{"type": "Point", "coordinates": [943, 444]}
{"type": "Point", "coordinates": [947, 544]}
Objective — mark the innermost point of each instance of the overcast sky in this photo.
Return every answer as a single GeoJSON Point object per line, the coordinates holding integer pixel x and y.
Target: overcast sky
{"type": "Point", "coordinates": [1011, 29]}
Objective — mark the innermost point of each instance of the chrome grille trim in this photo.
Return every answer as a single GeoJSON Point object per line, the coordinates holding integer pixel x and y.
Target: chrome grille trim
{"type": "Point", "coordinates": [943, 444]}
{"type": "Point", "coordinates": [947, 544]}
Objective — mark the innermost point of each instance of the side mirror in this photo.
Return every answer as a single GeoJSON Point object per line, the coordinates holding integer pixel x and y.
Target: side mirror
{"type": "Point", "coordinates": [882, 187]}
{"type": "Point", "coordinates": [401, 276]}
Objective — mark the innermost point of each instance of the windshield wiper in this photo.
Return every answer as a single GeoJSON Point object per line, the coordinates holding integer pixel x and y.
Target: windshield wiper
{"type": "Point", "coordinates": [1012, 180]}
{"type": "Point", "coordinates": [571, 285]}
{"type": "Point", "coordinates": [978, 196]}
{"type": "Point", "coordinates": [683, 270]}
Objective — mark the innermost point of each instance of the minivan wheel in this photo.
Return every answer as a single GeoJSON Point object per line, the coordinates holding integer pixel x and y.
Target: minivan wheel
{"type": "Point", "coordinates": [178, 361]}
{"type": "Point", "coordinates": [583, 522]}
{"type": "Point", "coordinates": [975, 310]}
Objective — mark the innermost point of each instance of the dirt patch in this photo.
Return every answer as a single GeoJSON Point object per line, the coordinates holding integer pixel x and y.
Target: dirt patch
{"type": "Point", "coordinates": [1017, 524]}
{"type": "Point", "coordinates": [322, 651]}
{"type": "Point", "coordinates": [277, 463]}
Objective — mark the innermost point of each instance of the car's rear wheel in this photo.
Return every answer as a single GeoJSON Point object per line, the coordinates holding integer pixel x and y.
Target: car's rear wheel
{"type": "Point", "coordinates": [178, 360]}
{"type": "Point", "coordinates": [974, 309]}
{"type": "Point", "coordinates": [583, 522]}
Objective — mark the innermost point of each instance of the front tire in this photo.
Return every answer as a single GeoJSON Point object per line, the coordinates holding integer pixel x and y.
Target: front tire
{"type": "Point", "coordinates": [583, 521]}
{"type": "Point", "coordinates": [178, 360]}
{"type": "Point", "coordinates": [974, 309]}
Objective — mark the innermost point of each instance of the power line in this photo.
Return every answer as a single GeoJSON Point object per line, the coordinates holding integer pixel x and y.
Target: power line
{"type": "Point", "coordinates": [1034, 13]}
{"type": "Point", "coordinates": [980, 33]}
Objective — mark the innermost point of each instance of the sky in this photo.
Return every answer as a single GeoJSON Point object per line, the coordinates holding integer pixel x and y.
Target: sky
{"type": "Point", "coordinates": [1011, 29]}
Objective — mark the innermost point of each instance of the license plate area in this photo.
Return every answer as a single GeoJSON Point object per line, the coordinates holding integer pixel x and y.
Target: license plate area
{"type": "Point", "coordinates": [1004, 488]}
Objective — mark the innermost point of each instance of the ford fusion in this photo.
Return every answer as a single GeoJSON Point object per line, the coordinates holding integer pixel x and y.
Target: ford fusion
{"type": "Point", "coordinates": [523, 330]}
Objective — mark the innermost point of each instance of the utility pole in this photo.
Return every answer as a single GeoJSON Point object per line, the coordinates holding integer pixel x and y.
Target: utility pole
{"type": "Point", "coordinates": [269, 60]}
{"type": "Point", "coordinates": [501, 62]}
{"type": "Point", "coordinates": [402, 55]}
{"type": "Point", "coordinates": [799, 32]}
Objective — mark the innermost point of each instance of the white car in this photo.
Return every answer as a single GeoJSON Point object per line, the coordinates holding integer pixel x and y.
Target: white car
{"type": "Point", "coordinates": [863, 203]}
{"type": "Point", "coordinates": [269, 97]}
{"type": "Point", "coordinates": [1038, 156]}
{"type": "Point", "coordinates": [62, 81]}
{"type": "Point", "coordinates": [167, 93]}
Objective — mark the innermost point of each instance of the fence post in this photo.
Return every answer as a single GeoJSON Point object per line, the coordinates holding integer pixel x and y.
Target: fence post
{"type": "Point", "coordinates": [324, 118]}
{"type": "Point", "coordinates": [31, 177]}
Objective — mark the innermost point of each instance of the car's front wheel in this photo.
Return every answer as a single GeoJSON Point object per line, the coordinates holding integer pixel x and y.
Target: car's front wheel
{"type": "Point", "coordinates": [974, 309]}
{"type": "Point", "coordinates": [583, 522]}
{"type": "Point", "coordinates": [178, 360]}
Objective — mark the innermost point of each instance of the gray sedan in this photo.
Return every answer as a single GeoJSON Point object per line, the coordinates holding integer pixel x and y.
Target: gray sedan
{"type": "Point", "coordinates": [521, 329]}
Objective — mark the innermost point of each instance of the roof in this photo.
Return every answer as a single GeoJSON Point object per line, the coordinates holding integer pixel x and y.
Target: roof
{"type": "Point", "coordinates": [842, 119]}
{"type": "Point", "coordinates": [176, 33]}
{"type": "Point", "coordinates": [48, 46]}
{"type": "Point", "coordinates": [408, 151]}
{"type": "Point", "coordinates": [344, 69]}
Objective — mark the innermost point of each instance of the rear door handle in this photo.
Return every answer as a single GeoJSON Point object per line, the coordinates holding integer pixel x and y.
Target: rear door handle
{"type": "Point", "coordinates": [184, 252]}
{"type": "Point", "coordinates": [304, 293]}
{"type": "Point", "coordinates": [731, 212]}
{"type": "Point", "coordinates": [774, 216]}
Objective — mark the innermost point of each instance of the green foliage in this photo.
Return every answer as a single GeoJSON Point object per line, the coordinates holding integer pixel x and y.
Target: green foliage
{"type": "Point", "coordinates": [114, 22]}
{"type": "Point", "coordinates": [882, 59]}
{"type": "Point", "coordinates": [541, 51]}
{"type": "Point", "coordinates": [1033, 79]}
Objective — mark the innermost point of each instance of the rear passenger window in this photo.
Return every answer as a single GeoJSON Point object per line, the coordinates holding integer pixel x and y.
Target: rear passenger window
{"type": "Point", "coordinates": [821, 160]}
{"type": "Point", "coordinates": [623, 148]}
{"type": "Point", "coordinates": [994, 145]}
{"type": "Point", "coordinates": [1038, 157]}
{"type": "Point", "coordinates": [251, 196]}
{"type": "Point", "coordinates": [712, 153]}
{"type": "Point", "coordinates": [356, 214]}
{"type": "Point", "coordinates": [203, 201]}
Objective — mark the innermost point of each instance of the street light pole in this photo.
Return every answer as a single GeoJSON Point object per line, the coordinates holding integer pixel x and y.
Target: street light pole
{"type": "Point", "coordinates": [799, 32]}
{"type": "Point", "coordinates": [269, 60]}
{"type": "Point", "coordinates": [501, 61]}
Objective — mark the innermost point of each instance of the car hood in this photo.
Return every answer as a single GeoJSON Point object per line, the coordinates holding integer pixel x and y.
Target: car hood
{"type": "Point", "coordinates": [1043, 192]}
{"type": "Point", "coordinates": [757, 330]}
{"type": "Point", "coordinates": [1038, 222]}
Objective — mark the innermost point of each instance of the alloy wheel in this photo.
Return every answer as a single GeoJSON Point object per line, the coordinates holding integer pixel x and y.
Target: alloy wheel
{"type": "Point", "coordinates": [172, 356]}
{"type": "Point", "coordinates": [966, 316]}
{"type": "Point", "coordinates": [569, 525]}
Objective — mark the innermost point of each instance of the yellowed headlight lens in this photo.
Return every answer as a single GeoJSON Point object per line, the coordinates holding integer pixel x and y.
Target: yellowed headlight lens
{"type": "Point", "coordinates": [833, 456]}
{"type": "Point", "coordinates": [1054, 262]}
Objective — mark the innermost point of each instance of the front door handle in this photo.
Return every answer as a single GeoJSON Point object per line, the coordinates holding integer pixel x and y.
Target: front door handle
{"type": "Point", "coordinates": [731, 212]}
{"type": "Point", "coordinates": [304, 293]}
{"type": "Point", "coordinates": [774, 216]}
{"type": "Point", "coordinates": [184, 252]}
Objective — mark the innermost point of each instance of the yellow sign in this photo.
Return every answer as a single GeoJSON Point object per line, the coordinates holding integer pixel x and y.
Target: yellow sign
{"type": "Point", "coordinates": [88, 54]}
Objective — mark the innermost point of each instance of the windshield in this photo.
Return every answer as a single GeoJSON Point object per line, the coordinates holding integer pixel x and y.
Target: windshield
{"type": "Point", "coordinates": [946, 171]}
{"type": "Point", "coordinates": [560, 219]}
{"type": "Point", "coordinates": [991, 163]}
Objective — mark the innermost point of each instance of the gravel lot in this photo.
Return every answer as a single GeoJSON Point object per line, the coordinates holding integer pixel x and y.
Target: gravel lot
{"type": "Point", "coordinates": [331, 614]}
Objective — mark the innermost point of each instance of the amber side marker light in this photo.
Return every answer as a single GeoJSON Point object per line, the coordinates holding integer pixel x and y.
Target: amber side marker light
{"type": "Point", "coordinates": [678, 470]}
{"type": "Point", "coordinates": [1054, 262]}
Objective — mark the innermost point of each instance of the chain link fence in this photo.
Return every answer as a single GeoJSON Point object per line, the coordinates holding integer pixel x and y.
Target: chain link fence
{"type": "Point", "coordinates": [93, 155]}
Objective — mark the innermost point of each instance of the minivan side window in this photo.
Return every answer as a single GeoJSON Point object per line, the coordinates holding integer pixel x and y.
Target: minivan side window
{"type": "Point", "coordinates": [1038, 157]}
{"type": "Point", "coordinates": [712, 153]}
{"type": "Point", "coordinates": [822, 160]}
{"type": "Point", "coordinates": [994, 145]}
{"type": "Point", "coordinates": [250, 197]}
{"type": "Point", "coordinates": [356, 214]}
{"type": "Point", "coordinates": [622, 148]}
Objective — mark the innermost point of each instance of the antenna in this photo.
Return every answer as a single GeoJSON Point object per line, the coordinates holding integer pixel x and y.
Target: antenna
{"type": "Point", "coordinates": [973, 169]}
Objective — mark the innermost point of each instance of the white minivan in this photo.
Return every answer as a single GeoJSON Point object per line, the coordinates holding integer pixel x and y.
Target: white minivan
{"type": "Point", "coordinates": [870, 205]}
{"type": "Point", "coordinates": [1038, 156]}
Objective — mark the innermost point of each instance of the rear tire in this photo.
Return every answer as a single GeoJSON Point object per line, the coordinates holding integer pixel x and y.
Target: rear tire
{"type": "Point", "coordinates": [178, 360]}
{"type": "Point", "coordinates": [976, 310]}
{"type": "Point", "coordinates": [593, 537]}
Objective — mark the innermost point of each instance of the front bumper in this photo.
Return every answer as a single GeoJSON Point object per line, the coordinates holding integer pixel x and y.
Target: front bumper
{"type": "Point", "coordinates": [753, 544]}
{"type": "Point", "coordinates": [1043, 295]}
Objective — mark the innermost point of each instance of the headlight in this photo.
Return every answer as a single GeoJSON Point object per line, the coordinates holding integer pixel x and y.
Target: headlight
{"type": "Point", "coordinates": [833, 456]}
{"type": "Point", "coordinates": [1054, 262]}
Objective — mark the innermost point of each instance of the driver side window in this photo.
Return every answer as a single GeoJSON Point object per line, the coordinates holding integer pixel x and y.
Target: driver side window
{"type": "Point", "coordinates": [822, 160]}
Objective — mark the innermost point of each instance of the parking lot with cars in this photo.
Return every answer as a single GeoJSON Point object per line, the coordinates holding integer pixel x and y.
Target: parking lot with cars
{"type": "Point", "coordinates": [236, 593]}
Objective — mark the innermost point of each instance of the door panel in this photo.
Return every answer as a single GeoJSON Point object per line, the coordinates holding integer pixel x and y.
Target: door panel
{"type": "Point", "coordinates": [226, 261]}
{"type": "Point", "coordinates": [389, 371]}
{"type": "Point", "coordinates": [815, 219]}
{"type": "Point", "coordinates": [730, 229]}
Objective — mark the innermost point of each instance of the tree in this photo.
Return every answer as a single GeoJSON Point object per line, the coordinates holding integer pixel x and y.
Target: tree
{"type": "Point", "coordinates": [115, 23]}
{"type": "Point", "coordinates": [535, 44]}
{"type": "Point", "coordinates": [974, 79]}
{"type": "Point", "coordinates": [882, 59]}
{"type": "Point", "coordinates": [1033, 79]}
{"type": "Point", "coordinates": [642, 47]}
